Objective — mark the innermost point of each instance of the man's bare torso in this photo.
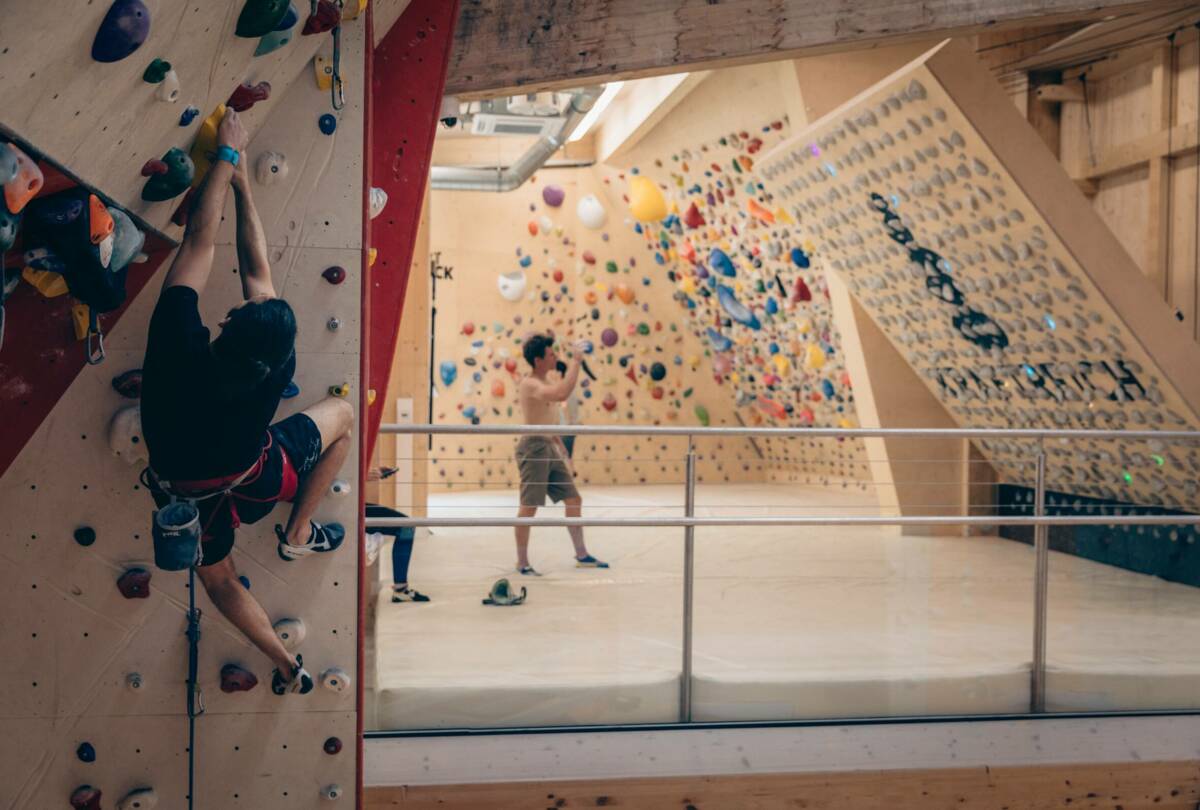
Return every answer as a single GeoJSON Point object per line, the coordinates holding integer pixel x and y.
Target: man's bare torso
{"type": "Point", "coordinates": [534, 409]}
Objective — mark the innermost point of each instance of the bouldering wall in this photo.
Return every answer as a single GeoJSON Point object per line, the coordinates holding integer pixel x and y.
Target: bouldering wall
{"type": "Point", "coordinates": [966, 242]}
{"type": "Point", "coordinates": [585, 283]}
{"type": "Point", "coordinates": [94, 681]}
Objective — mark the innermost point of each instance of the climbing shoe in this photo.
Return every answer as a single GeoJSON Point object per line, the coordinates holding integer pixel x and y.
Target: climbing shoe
{"type": "Point", "coordinates": [529, 571]}
{"type": "Point", "coordinates": [299, 682]}
{"type": "Point", "coordinates": [321, 539]}
{"type": "Point", "coordinates": [407, 594]}
{"type": "Point", "coordinates": [502, 594]}
{"type": "Point", "coordinates": [589, 562]}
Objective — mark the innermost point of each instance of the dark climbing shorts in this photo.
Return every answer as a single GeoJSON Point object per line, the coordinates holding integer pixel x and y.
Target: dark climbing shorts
{"type": "Point", "coordinates": [290, 452]}
{"type": "Point", "coordinates": [543, 472]}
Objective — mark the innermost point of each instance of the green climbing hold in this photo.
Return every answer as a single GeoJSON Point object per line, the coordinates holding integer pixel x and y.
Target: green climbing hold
{"type": "Point", "coordinates": [643, 328]}
{"type": "Point", "coordinates": [702, 415]}
{"type": "Point", "coordinates": [273, 42]}
{"type": "Point", "coordinates": [260, 17]}
{"type": "Point", "coordinates": [610, 266]}
{"type": "Point", "coordinates": [687, 392]}
{"type": "Point", "coordinates": [157, 71]}
{"type": "Point", "coordinates": [164, 185]}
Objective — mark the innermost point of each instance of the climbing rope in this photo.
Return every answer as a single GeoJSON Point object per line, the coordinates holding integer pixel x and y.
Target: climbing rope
{"type": "Point", "coordinates": [195, 698]}
{"type": "Point", "coordinates": [337, 94]}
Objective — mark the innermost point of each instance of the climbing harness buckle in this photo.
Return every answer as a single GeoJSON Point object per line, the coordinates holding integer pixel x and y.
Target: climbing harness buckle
{"type": "Point", "coordinates": [95, 339]}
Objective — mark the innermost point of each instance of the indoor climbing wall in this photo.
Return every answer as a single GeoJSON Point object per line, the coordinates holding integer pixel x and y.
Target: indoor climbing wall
{"type": "Point", "coordinates": [555, 254]}
{"type": "Point", "coordinates": [95, 656]}
{"type": "Point", "coordinates": [747, 290]}
{"type": "Point", "coordinates": [966, 242]}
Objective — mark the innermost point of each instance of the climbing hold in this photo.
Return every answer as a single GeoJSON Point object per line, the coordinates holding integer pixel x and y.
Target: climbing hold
{"type": "Point", "coordinates": [245, 580]}
{"type": "Point", "coordinates": [511, 285]}
{"type": "Point", "coordinates": [800, 258]}
{"type": "Point", "coordinates": [646, 202]}
{"type": "Point", "coordinates": [591, 212]}
{"type": "Point", "coordinates": [323, 20]}
{"type": "Point", "coordinates": [26, 182]}
{"type": "Point", "coordinates": [237, 679]}
{"type": "Point", "coordinates": [372, 254]}
{"type": "Point", "coordinates": [378, 200]}
{"type": "Point", "coordinates": [129, 383]}
{"type": "Point", "coordinates": [327, 123]}
{"type": "Point", "coordinates": [800, 291]}
{"type": "Point", "coordinates": [609, 402]}
{"type": "Point", "coordinates": [720, 262]}
{"type": "Point", "coordinates": [323, 71]}
{"type": "Point", "coordinates": [331, 792]}
{"type": "Point", "coordinates": [334, 275]}
{"type": "Point", "coordinates": [86, 752]}
{"type": "Point", "coordinates": [658, 371]}
{"type": "Point", "coordinates": [134, 583]}
{"type": "Point", "coordinates": [609, 337]}
{"type": "Point", "coordinates": [128, 240]}
{"type": "Point", "coordinates": [270, 167]}
{"type": "Point", "coordinates": [85, 797]}
{"type": "Point", "coordinates": [719, 341]}
{"type": "Point", "coordinates": [335, 679]}
{"type": "Point", "coordinates": [624, 293]}
{"type": "Point", "coordinates": [188, 116]}
{"type": "Point", "coordinates": [468, 328]}
{"type": "Point", "coordinates": [735, 309]}
{"type": "Point", "coordinates": [122, 31]}
{"type": "Point", "coordinates": [205, 144]}
{"type": "Point", "coordinates": [498, 388]}
{"type": "Point", "coordinates": [10, 224]}
{"type": "Point", "coordinates": [156, 71]}
{"type": "Point", "coordinates": [179, 174]}
{"type": "Point", "coordinates": [333, 324]}
{"type": "Point", "coordinates": [291, 632]}
{"type": "Point", "coordinates": [814, 358]}
{"type": "Point", "coordinates": [273, 41]}
{"type": "Point", "coordinates": [370, 396]}
{"type": "Point", "coordinates": [168, 89]}
{"type": "Point", "coordinates": [701, 415]}
{"type": "Point", "coordinates": [290, 18]}
{"type": "Point", "coordinates": [125, 435]}
{"type": "Point", "coordinates": [342, 390]}
{"type": "Point", "coordinates": [333, 746]}
{"type": "Point", "coordinates": [9, 165]}
{"type": "Point", "coordinates": [246, 95]}
{"type": "Point", "coordinates": [133, 681]}
{"type": "Point", "coordinates": [693, 218]}
{"type": "Point", "coordinates": [340, 486]}
{"type": "Point", "coordinates": [260, 17]}
{"type": "Point", "coordinates": [100, 222]}
{"type": "Point", "coordinates": [139, 799]}
{"type": "Point", "coordinates": [291, 390]}
{"type": "Point", "coordinates": [553, 196]}
{"type": "Point", "coordinates": [85, 535]}
{"type": "Point", "coordinates": [448, 371]}
{"type": "Point", "coordinates": [759, 212]}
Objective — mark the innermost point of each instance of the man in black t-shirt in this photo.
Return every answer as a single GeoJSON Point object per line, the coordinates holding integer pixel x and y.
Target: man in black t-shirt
{"type": "Point", "coordinates": [207, 407]}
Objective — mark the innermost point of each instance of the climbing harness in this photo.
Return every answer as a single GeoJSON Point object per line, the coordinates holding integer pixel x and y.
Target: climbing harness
{"type": "Point", "coordinates": [503, 595]}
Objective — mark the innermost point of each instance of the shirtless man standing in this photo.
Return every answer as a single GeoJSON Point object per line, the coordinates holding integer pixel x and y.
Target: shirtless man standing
{"type": "Point", "coordinates": [542, 460]}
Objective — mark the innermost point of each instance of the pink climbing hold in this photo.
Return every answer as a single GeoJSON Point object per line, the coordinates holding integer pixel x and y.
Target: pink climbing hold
{"type": "Point", "coordinates": [553, 196]}
{"type": "Point", "coordinates": [153, 167]}
{"type": "Point", "coordinates": [247, 95]}
{"type": "Point", "coordinates": [324, 20]}
{"type": "Point", "coordinates": [237, 679]}
{"type": "Point", "coordinates": [589, 257]}
{"type": "Point", "coordinates": [86, 797]}
{"type": "Point", "coordinates": [334, 275]}
{"type": "Point", "coordinates": [609, 337]}
{"type": "Point", "coordinates": [134, 584]}
{"type": "Point", "coordinates": [468, 328]}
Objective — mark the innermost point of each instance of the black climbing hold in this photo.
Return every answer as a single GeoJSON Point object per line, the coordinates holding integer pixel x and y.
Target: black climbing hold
{"type": "Point", "coordinates": [128, 383]}
{"type": "Point", "coordinates": [86, 752]}
{"type": "Point", "coordinates": [260, 17]}
{"type": "Point", "coordinates": [327, 123]}
{"type": "Point", "coordinates": [86, 797]}
{"type": "Point", "coordinates": [85, 535]}
{"type": "Point", "coordinates": [333, 746]}
{"type": "Point", "coordinates": [122, 31]}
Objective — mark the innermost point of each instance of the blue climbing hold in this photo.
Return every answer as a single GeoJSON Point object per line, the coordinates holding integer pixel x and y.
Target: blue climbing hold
{"type": "Point", "coordinates": [327, 123]}
{"type": "Point", "coordinates": [272, 42]}
{"type": "Point", "coordinates": [720, 262]}
{"type": "Point", "coordinates": [292, 390]}
{"type": "Point", "coordinates": [469, 412]}
{"type": "Point", "coordinates": [245, 581]}
{"type": "Point", "coordinates": [290, 18]}
{"type": "Point", "coordinates": [719, 341]}
{"type": "Point", "coordinates": [735, 309]}
{"type": "Point", "coordinates": [86, 752]}
{"type": "Point", "coordinates": [526, 261]}
{"type": "Point", "coordinates": [448, 371]}
{"type": "Point", "coordinates": [123, 30]}
{"type": "Point", "coordinates": [800, 258]}
{"type": "Point", "coordinates": [772, 306]}
{"type": "Point", "coordinates": [189, 115]}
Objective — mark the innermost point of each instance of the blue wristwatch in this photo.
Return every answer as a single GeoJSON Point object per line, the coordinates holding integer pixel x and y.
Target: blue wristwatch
{"type": "Point", "coordinates": [228, 153]}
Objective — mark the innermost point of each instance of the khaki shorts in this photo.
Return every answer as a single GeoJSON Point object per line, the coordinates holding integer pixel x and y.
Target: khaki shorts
{"type": "Point", "coordinates": [543, 472]}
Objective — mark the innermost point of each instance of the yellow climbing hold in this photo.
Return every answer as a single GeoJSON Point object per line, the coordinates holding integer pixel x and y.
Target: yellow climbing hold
{"type": "Point", "coordinates": [372, 254]}
{"type": "Point", "coordinates": [80, 318]}
{"type": "Point", "coordinates": [814, 358]}
{"type": "Point", "coordinates": [353, 9]}
{"type": "Point", "coordinates": [783, 216]}
{"type": "Point", "coordinates": [646, 202]}
{"type": "Point", "coordinates": [781, 363]}
{"type": "Point", "coordinates": [342, 390]}
{"type": "Point", "coordinates": [46, 282]}
{"type": "Point", "coordinates": [323, 71]}
{"type": "Point", "coordinates": [206, 144]}
{"type": "Point", "coordinates": [370, 396]}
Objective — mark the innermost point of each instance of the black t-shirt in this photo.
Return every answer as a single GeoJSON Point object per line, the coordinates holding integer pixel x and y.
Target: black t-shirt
{"type": "Point", "coordinates": [193, 429]}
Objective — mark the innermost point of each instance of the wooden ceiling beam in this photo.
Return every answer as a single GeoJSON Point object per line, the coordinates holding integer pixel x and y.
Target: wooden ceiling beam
{"type": "Point", "coordinates": [508, 46]}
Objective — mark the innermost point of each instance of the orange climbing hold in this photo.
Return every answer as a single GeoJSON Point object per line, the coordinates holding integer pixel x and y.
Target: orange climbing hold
{"type": "Point", "coordinates": [498, 388]}
{"type": "Point", "coordinates": [102, 225]}
{"type": "Point", "coordinates": [759, 212]}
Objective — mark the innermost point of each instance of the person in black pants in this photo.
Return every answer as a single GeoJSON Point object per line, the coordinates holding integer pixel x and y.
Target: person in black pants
{"type": "Point", "coordinates": [402, 544]}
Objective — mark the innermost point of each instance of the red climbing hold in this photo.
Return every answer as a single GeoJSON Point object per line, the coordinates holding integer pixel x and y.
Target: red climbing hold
{"type": "Point", "coordinates": [236, 679]}
{"type": "Point", "coordinates": [333, 746]}
{"type": "Point", "coordinates": [693, 218]}
{"type": "Point", "coordinates": [129, 383]}
{"type": "Point", "coordinates": [325, 19]}
{"type": "Point", "coordinates": [153, 167]}
{"type": "Point", "coordinates": [86, 797]}
{"type": "Point", "coordinates": [134, 583]}
{"type": "Point", "coordinates": [334, 275]}
{"type": "Point", "coordinates": [180, 217]}
{"type": "Point", "coordinates": [247, 95]}
{"type": "Point", "coordinates": [801, 292]}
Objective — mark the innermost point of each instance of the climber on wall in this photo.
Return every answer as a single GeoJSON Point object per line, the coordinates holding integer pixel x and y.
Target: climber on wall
{"type": "Point", "coordinates": [542, 460]}
{"type": "Point", "coordinates": [207, 406]}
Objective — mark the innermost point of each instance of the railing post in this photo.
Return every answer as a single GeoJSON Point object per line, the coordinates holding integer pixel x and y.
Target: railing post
{"type": "Point", "coordinates": [1041, 551]}
{"type": "Point", "coordinates": [689, 568]}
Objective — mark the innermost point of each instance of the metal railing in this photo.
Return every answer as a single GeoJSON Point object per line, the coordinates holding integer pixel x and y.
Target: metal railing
{"type": "Point", "coordinates": [1039, 520]}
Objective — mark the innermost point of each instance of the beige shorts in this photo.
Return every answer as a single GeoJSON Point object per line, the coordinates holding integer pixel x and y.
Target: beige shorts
{"type": "Point", "coordinates": [543, 472]}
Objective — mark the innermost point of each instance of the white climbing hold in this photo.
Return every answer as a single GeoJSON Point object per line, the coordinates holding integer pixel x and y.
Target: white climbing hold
{"type": "Point", "coordinates": [331, 792]}
{"type": "Point", "coordinates": [336, 679]}
{"type": "Point", "coordinates": [511, 285]}
{"type": "Point", "coordinates": [291, 632]}
{"type": "Point", "coordinates": [379, 199]}
{"type": "Point", "coordinates": [271, 167]}
{"type": "Point", "coordinates": [168, 88]}
{"type": "Point", "coordinates": [340, 487]}
{"type": "Point", "coordinates": [133, 681]}
{"type": "Point", "coordinates": [125, 435]}
{"type": "Point", "coordinates": [139, 799]}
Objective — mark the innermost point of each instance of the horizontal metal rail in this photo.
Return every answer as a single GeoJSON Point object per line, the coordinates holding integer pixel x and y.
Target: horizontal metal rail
{"type": "Point", "coordinates": [789, 520]}
{"type": "Point", "coordinates": [767, 433]}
